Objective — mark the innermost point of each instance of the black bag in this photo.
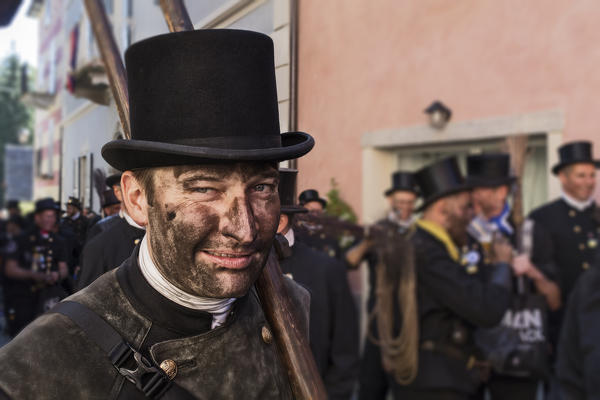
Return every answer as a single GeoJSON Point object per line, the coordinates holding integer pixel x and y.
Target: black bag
{"type": "Point", "coordinates": [519, 345]}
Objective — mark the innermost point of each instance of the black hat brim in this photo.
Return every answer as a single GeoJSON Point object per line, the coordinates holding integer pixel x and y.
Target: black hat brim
{"type": "Point", "coordinates": [457, 189]}
{"type": "Point", "coordinates": [556, 169]}
{"type": "Point", "coordinates": [112, 180]}
{"type": "Point", "coordinates": [401, 189]}
{"type": "Point", "coordinates": [293, 210]}
{"type": "Point", "coordinates": [490, 182]}
{"type": "Point", "coordinates": [318, 200]}
{"type": "Point", "coordinates": [134, 154]}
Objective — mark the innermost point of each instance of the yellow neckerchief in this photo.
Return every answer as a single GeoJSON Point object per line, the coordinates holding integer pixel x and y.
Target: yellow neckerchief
{"type": "Point", "coordinates": [440, 234]}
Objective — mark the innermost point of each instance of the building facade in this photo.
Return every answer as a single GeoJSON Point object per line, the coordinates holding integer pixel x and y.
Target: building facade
{"type": "Point", "coordinates": [367, 70]}
{"type": "Point", "coordinates": [70, 128]}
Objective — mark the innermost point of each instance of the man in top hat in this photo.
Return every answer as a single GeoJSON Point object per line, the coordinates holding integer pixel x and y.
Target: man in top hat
{"type": "Point", "coordinates": [74, 219]}
{"type": "Point", "coordinates": [402, 196]}
{"type": "Point", "coordinates": [74, 227]}
{"type": "Point", "coordinates": [114, 183]}
{"type": "Point", "coordinates": [566, 230]}
{"type": "Point", "coordinates": [311, 200]}
{"type": "Point", "coordinates": [333, 322]}
{"type": "Point", "coordinates": [34, 269]}
{"type": "Point", "coordinates": [490, 179]}
{"type": "Point", "coordinates": [181, 315]}
{"type": "Point", "coordinates": [451, 300]}
{"type": "Point", "coordinates": [110, 204]}
{"type": "Point", "coordinates": [110, 245]}
{"type": "Point", "coordinates": [14, 212]}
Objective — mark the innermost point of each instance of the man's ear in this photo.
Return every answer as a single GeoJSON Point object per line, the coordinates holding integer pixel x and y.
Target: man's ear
{"type": "Point", "coordinates": [134, 198]}
{"type": "Point", "coordinates": [283, 224]}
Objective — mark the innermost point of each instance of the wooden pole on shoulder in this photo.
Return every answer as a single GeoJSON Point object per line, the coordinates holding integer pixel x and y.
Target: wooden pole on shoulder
{"type": "Point", "coordinates": [112, 60]}
{"type": "Point", "coordinates": [292, 345]}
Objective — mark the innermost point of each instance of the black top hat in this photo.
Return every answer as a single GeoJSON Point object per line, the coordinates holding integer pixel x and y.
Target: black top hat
{"type": "Point", "coordinates": [402, 180]}
{"type": "Point", "coordinates": [74, 201]}
{"type": "Point", "coordinates": [201, 96]}
{"type": "Point", "coordinates": [47, 203]}
{"type": "Point", "coordinates": [440, 179]}
{"type": "Point", "coordinates": [109, 198]}
{"type": "Point", "coordinates": [12, 204]}
{"type": "Point", "coordinates": [489, 170]}
{"type": "Point", "coordinates": [287, 191]}
{"type": "Point", "coordinates": [573, 153]}
{"type": "Point", "coordinates": [114, 179]}
{"type": "Point", "coordinates": [311, 195]}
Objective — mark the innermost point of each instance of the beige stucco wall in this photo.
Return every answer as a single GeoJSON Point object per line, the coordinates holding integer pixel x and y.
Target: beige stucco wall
{"type": "Point", "coordinates": [368, 66]}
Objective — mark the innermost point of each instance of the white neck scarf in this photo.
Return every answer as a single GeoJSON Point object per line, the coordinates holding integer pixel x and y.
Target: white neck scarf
{"type": "Point", "coordinates": [289, 235]}
{"type": "Point", "coordinates": [219, 308]}
{"type": "Point", "coordinates": [130, 220]}
{"type": "Point", "coordinates": [405, 223]}
{"type": "Point", "coordinates": [577, 204]}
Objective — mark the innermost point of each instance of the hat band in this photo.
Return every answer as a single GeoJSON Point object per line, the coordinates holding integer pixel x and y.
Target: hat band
{"type": "Point", "coordinates": [233, 142]}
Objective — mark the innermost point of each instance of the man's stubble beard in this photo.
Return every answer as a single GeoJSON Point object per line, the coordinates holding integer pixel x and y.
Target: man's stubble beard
{"type": "Point", "coordinates": [457, 229]}
{"type": "Point", "coordinates": [175, 245]}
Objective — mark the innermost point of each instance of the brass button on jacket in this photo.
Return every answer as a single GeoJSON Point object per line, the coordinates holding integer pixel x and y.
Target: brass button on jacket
{"type": "Point", "coordinates": [169, 367]}
{"type": "Point", "coordinates": [266, 334]}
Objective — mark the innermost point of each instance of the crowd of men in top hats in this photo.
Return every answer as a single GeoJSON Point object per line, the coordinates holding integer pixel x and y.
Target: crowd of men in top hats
{"type": "Point", "coordinates": [500, 308]}
{"type": "Point", "coordinates": [463, 300]}
{"type": "Point", "coordinates": [43, 254]}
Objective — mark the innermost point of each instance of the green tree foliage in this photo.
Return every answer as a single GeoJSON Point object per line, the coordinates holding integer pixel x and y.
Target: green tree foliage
{"type": "Point", "coordinates": [336, 206]}
{"type": "Point", "coordinates": [14, 115]}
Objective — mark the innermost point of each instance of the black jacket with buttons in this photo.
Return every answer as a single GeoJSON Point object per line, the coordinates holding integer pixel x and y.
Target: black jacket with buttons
{"type": "Point", "coordinates": [333, 323]}
{"type": "Point", "coordinates": [578, 354]}
{"type": "Point", "coordinates": [565, 241]}
{"type": "Point", "coordinates": [108, 250]}
{"type": "Point", "coordinates": [452, 302]}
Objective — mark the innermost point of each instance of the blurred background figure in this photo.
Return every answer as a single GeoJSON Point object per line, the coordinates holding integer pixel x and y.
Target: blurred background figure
{"type": "Point", "coordinates": [333, 322]}
{"type": "Point", "coordinates": [514, 373]}
{"type": "Point", "coordinates": [35, 269]}
{"type": "Point", "coordinates": [110, 204]}
{"type": "Point", "coordinates": [566, 230]}
{"type": "Point", "coordinates": [310, 200]}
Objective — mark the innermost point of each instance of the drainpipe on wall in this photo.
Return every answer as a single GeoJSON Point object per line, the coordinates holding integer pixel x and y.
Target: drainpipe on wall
{"type": "Point", "coordinates": [293, 123]}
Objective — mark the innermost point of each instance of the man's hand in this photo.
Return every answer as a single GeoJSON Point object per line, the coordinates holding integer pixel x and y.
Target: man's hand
{"type": "Point", "coordinates": [522, 266]}
{"type": "Point", "coordinates": [502, 251]}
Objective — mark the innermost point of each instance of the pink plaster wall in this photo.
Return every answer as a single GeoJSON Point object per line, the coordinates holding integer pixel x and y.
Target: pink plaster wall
{"type": "Point", "coordinates": [371, 65]}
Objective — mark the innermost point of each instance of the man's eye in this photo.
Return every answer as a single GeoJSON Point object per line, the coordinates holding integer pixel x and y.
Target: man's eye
{"type": "Point", "coordinates": [202, 190]}
{"type": "Point", "coordinates": [263, 187]}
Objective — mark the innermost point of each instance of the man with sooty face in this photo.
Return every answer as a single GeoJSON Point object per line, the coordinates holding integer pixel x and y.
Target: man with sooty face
{"type": "Point", "coordinates": [180, 318]}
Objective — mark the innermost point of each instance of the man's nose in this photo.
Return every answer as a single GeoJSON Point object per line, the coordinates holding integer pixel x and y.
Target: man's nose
{"type": "Point", "coordinates": [239, 222]}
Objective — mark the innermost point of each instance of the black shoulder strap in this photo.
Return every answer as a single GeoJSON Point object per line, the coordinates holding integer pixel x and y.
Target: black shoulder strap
{"type": "Point", "coordinates": [148, 378]}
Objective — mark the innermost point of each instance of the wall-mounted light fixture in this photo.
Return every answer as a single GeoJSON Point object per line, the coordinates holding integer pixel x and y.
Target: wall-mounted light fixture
{"type": "Point", "coordinates": [439, 114]}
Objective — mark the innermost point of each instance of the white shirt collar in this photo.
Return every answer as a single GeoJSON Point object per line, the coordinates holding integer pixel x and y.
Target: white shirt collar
{"type": "Point", "coordinates": [289, 235]}
{"type": "Point", "coordinates": [75, 216]}
{"type": "Point", "coordinates": [392, 216]}
{"type": "Point", "coordinates": [219, 308]}
{"type": "Point", "coordinates": [576, 204]}
{"type": "Point", "coordinates": [130, 221]}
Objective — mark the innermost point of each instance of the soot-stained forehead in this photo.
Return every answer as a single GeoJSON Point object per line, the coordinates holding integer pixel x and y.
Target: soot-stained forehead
{"type": "Point", "coordinates": [246, 170]}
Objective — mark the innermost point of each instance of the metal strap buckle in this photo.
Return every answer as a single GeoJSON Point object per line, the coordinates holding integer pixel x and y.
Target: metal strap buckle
{"type": "Point", "coordinates": [146, 377]}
